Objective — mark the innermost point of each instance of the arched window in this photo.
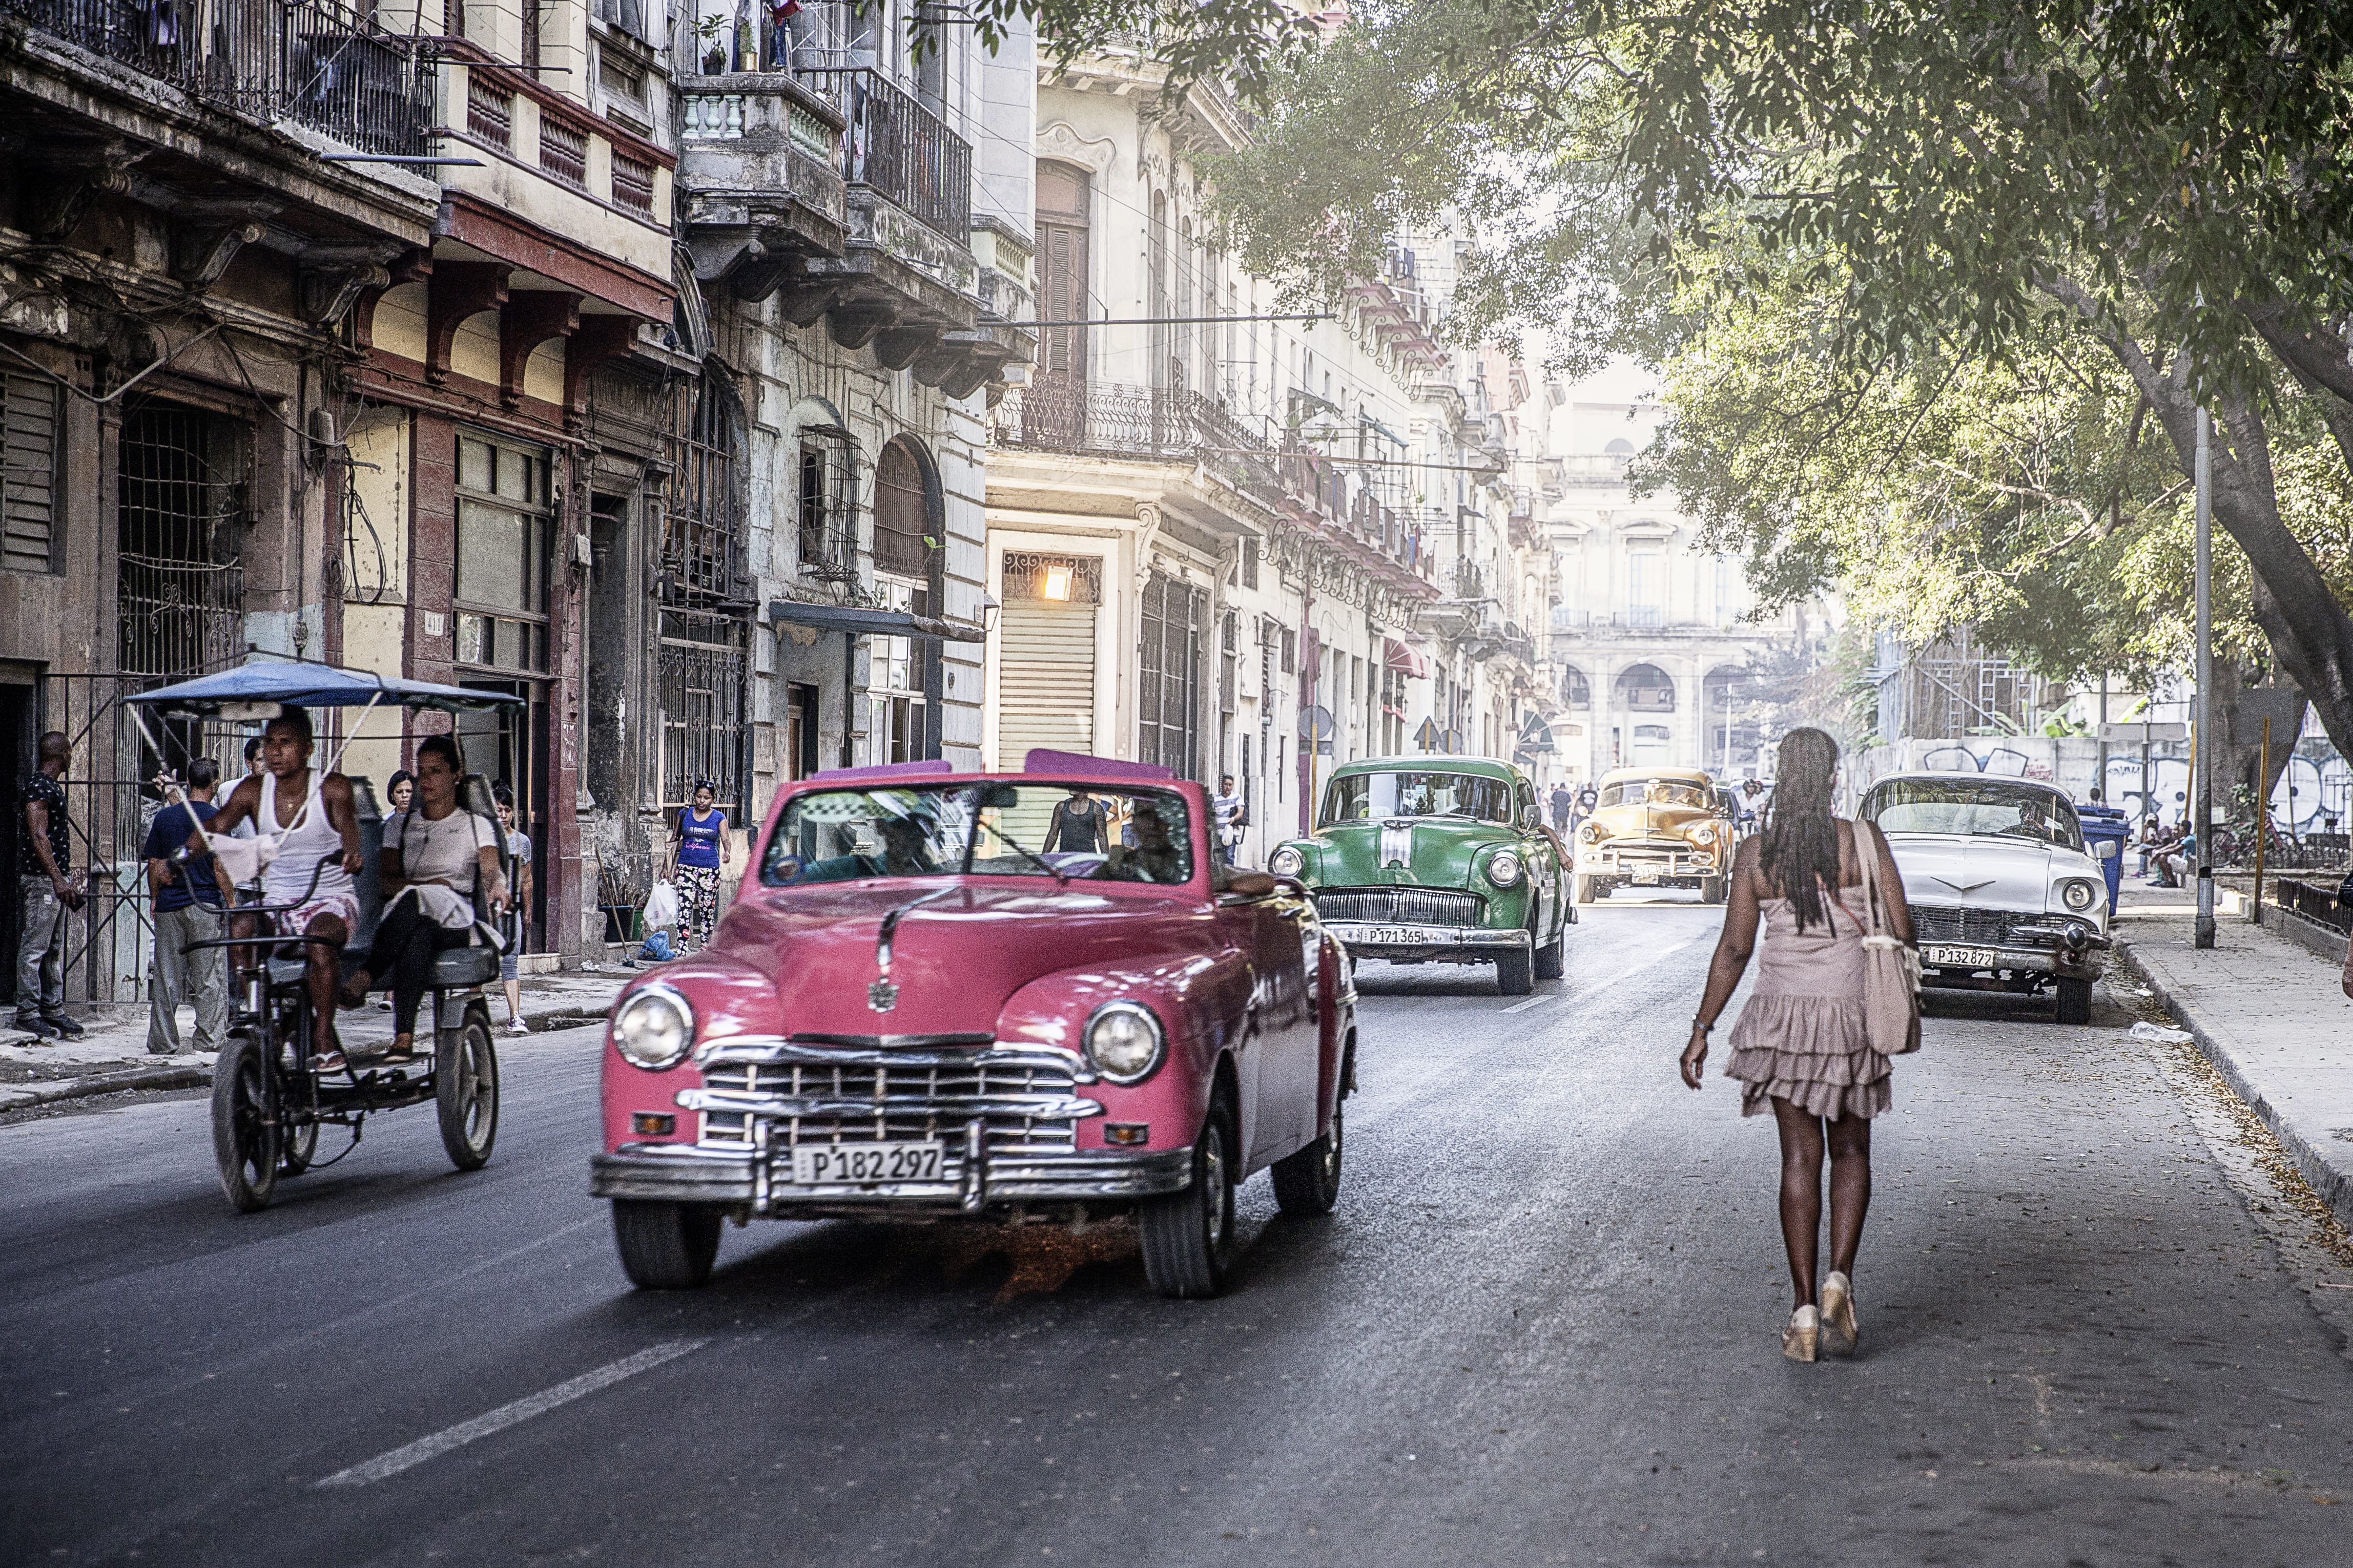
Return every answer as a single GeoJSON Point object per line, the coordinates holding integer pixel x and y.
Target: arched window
{"type": "Point", "coordinates": [1575, 690]}
{"type": "Point", "coordinates": [1645, 688]}
{"type": "Point", "coordinates": [905, 537]}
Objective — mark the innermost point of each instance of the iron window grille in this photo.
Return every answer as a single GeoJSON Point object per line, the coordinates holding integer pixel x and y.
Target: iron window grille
{"type": "Point", "coordinates": [28, 470]}
{"type": "Point", "coordinates": [702, 664]}
{"type": "Point", "coordinates": [181, 512]}
{"type": "Point", "coordinates": [828, 505]}
{"type": "Point", "coordinates": [702, 669]}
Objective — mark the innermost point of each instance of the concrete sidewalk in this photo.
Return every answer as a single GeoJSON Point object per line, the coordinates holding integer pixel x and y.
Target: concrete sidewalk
{"type": "Point", "coordinates": [2269, 1014]}
{"type": "Point", "coordinates": [113, 1055]}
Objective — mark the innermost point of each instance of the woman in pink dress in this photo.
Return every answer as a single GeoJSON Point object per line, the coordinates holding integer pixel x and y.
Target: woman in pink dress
{"type": "Point", "coordinates": [1800, 1047]}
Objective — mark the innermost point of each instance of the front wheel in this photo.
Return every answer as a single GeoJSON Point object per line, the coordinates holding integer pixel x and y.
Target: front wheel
{"type": "Point", "coordinates": [1307, 1184]}
{"type": "Point", "coordinates": [245, 1128]}
{"type": "Point", "coordinates": [666, 1247]}
{"type": "Point", "coordinates": [1580, 890]}
{"type": "Point", "coordinates": [1516, 971]}
{"type": "Point", "coordinates": [1711, 889]}
{"type": "Point", "coordinates": [1188, 1237]}
{"type": "Point", "coordinates": [2074, 1001]}
{"type": "Point", "coordinates": [466, 1090]}
{"type": "Point", "coordinates": [1552, 958]}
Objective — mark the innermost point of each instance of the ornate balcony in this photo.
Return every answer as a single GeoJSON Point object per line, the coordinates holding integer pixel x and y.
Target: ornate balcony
{"type": "Point", "coordinates": [838, 193]}
{"type": "Point", "coordinates": [316, 62]}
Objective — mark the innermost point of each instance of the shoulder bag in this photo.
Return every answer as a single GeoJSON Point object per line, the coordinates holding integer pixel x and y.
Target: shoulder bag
{"type": "Point", "coordinates": [1891, 967]}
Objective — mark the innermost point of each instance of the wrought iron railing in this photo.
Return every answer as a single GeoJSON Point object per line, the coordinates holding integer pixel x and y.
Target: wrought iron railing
{"type": "Point", "coordinates": [1063, 414]}
{"type": "Point", "coordinates": [317, 62]}
{"type": "Point", "coordinates": [901, 149]}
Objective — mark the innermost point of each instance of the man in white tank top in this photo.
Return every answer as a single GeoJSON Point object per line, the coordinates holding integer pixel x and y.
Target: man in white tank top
{"type": "Point", "coordinates": [317, 829]}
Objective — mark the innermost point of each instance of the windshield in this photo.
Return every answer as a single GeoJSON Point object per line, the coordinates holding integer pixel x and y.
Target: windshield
{"type": "Point", "coordinates": [1976, 807]}
{"type": "Point", "coordinates": [1359, 797]}
{"type": "Point", "coordinates": [1654, 792]}
{"type": "Point", "coordinates": [981, 830]}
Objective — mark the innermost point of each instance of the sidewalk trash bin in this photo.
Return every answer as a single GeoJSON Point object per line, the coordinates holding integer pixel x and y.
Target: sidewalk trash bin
{"type": "Point", "coordinates": [2106, 822]}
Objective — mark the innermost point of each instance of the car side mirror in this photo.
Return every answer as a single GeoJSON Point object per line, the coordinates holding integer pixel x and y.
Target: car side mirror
{"type": "Point", "coordinates": [2105, 849]}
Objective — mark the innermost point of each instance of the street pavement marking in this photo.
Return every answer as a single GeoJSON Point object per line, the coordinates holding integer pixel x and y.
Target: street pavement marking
{"type": "Point", "coordinates": [1531, 1002]}
{"type": "Point", "coordinates": [1582, 992]}
{"type": "Point", "coordinates": [506, 1415]}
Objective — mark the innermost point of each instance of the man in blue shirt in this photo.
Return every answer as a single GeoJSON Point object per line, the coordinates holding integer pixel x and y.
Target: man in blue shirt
{"type": "Point", "coordinates": [187, 908]}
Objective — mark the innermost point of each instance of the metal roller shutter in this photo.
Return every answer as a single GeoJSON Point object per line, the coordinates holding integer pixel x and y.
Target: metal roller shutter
{"type": "Point", "coordinates": [1046, 685]}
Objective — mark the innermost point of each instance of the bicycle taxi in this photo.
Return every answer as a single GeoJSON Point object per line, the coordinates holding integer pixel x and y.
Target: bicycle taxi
{"type": "Point", "coordinates": [268, 1100]}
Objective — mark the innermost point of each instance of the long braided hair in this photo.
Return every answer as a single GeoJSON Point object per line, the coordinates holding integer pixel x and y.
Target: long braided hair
{"type": "Point", "coordinates": [1798, 853]}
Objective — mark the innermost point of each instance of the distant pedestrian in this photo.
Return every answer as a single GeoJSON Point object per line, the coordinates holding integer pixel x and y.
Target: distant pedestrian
{"type": "Point", "coordinates": [517, 923]}
{"type": "Point", "coordinates": [1232, 814]}
{"type": "Point", "coordinates": [46, 893]}
{"type": "Point", "coordinates": [696, 855]}
{"type": "Point", "coordinates": [188, 909]}
{"type": "Point", "coordinates": [1802, 1046]}
{"type": "Point", "coordinates": [1564, 806]}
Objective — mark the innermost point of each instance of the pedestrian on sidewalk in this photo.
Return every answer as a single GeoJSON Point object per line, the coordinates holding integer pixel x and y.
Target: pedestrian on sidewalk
{"type": "Point", "coordinates": [517, 922]}
{"type": "Point", "coordinates": [1802, 1046]}
{"type": "Point", "coordinates": [46, 893]}
{"type": "Point", "coordinates": [696, 853]}
{"type": "Point", "coordinates": [187, 910]}
{"type": "Point", "coordinates": [1564, 806]}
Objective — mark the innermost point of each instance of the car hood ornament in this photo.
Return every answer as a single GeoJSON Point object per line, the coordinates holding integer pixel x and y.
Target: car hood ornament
{"type": "Point", "coordinates": [1965, 889]}
{"type": "Point", "coordinates": [883, 993]}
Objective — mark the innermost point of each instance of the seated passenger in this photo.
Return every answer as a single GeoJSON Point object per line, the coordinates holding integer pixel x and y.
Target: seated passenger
{"type": "Point", "coordinates": [436, 855]}
{"type": "Point", "coordinates": [310, 820]}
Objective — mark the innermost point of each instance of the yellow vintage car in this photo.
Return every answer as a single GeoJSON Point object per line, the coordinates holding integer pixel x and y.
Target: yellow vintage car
{"type": "Point", "coordinates": [1655, 828]}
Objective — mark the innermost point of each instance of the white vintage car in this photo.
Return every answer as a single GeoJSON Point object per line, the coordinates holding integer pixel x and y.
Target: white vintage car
{"type": "Point", "coordinates": [2004, 894]}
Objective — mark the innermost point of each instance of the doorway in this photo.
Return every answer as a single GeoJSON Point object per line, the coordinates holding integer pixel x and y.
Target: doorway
{"type": "Point", "coordinates": [19, 715]}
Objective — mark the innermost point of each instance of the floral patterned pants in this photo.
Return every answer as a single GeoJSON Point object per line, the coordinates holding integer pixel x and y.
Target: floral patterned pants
{"type": "Point", "coordinates": [698, 904]}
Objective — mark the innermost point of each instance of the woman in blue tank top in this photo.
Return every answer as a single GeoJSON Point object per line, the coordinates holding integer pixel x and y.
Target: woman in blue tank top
{"type": "Point", "coordinates": [696, 853]}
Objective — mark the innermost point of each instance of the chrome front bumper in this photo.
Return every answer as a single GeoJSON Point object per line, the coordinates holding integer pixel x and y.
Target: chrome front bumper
{"type": "Point", "coordinates": [1362, 937]}
{"type": "Point", "coordinates": [682, 1172]}
{"type": "Point", "coordinates": [1644, 858]}
{"type": "Point", "coordinates": [2088, 963]}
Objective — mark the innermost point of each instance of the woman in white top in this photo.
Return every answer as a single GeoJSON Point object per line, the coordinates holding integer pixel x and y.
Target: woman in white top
{"type": "Point", "coordinates": [436, 845]}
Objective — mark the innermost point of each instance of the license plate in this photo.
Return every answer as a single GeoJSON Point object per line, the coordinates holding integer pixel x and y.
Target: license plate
{"type": "Point", "coordinates": [1393, 936]}
{"type": "Point", "coordinates": [833, 1164]}
{"type": "Point", "coordinates": [1646, 875]}
{"type": "Point", "coordinates": [1960, 957]}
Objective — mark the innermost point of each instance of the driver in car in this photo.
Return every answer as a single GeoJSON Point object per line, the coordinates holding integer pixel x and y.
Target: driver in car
{"type": "Point", "coordinates": [1156, 857]}
{"type": "Point", "coordinates": [905, 829]}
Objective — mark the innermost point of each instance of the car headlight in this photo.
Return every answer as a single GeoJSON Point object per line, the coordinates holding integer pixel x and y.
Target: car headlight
{"type": "Point", "coordinates": [1503, 868]}
{"type": "Point", "coordinates": [1591, 833]}
{"type": "Point", "coordinates": [2078, 894]}
{"type": "Point", "coordinates": [1285, 861]}
{"type": "Point", "coordinates": [654, 1029]}
{"type": "Point", "coordinates": [1124, 1041]}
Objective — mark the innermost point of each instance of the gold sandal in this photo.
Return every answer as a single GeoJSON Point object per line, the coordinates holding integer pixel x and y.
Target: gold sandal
{"type": "Point", "coordinates": [1805, 1328]}
{"type": "Point", "coordinates": [1838, 1330]}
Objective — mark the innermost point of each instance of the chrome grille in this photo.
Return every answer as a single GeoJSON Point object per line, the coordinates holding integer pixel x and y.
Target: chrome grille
{"type": "Point", "coordinates": [1401, 906]}
{"type": "Point", "coordinates": [1025, 1099]}
{"type": "Point", "coordinates": [1982, 928]}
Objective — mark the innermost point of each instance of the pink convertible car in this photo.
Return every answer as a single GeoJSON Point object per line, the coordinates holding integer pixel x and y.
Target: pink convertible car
{"type": "Point", "coordinates": [1033, 995]}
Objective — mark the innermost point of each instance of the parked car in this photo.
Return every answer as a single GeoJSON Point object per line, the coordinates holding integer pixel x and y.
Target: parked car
{"type": "Point", "coordinates": [2004, 895]}
{"type": "Point", "coordinates": [1656, 827]}
{"type": "Point", "coordinates": [939, 999]}
{"type": "Point", "coordinates": [1437, 859]}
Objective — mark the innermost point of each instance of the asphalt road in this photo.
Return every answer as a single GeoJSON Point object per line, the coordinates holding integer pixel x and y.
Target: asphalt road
{"type": "Point", "coordinates": [1541, 1327]}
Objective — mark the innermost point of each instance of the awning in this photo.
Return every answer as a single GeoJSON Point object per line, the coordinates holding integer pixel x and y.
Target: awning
{"type": "Point", "coordinates": [1399, 657]}
{"type": "Point", "coordinates": [266, 681]}
{"type": "Point", "coordinates": [858, 622]}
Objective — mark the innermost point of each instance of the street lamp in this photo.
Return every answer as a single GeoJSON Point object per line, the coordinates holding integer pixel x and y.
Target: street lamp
{"type": "Point", "coordinates": [2201, 745]}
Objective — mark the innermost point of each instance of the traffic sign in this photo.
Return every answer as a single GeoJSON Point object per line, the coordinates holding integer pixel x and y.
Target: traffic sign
{"type": "Point", "coordinates": [2135, 734]}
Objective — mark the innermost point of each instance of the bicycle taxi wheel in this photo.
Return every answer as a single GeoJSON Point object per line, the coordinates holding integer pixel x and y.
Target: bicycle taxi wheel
{"type": "Point", "coordinates": [245, 1126]}
{"type": "Point", "coordinates": [466, 1090]}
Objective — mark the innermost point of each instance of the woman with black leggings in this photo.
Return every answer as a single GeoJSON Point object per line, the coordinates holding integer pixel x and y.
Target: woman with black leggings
{"type": "Point", "coordinates": [437, 844]}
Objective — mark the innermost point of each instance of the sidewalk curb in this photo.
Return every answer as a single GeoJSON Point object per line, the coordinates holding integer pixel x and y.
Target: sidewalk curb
{"type": "Point", "coordinates": [2334, 1187]}
{"type": "Point", "coordinates": [105, 1083]}
{"type": "Point", "coordinates": [24, 1097]}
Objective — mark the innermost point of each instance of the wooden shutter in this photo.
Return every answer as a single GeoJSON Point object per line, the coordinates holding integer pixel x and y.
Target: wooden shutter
{"type": "Point", "coordinates": [28, 471]}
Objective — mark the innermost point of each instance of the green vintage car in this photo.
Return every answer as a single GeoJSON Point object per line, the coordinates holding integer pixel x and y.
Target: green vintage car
{"type": "Point", "coordinates": [1437, 859]}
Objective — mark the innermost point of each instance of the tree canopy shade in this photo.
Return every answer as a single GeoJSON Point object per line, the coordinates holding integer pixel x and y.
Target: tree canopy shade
{"type": "Point", "coordinates": [1955, 185]}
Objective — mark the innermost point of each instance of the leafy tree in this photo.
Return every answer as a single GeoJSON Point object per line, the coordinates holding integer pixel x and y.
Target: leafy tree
{"type": "Point", "coordinates": [1970, 187]}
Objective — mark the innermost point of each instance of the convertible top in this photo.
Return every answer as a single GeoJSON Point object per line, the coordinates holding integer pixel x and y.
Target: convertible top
{"type": "Point", "coordinates": [306, 685]}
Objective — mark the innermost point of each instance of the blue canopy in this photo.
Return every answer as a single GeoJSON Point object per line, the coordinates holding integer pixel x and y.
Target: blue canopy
{"type": "Point", "coordinates": [316, 686]}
